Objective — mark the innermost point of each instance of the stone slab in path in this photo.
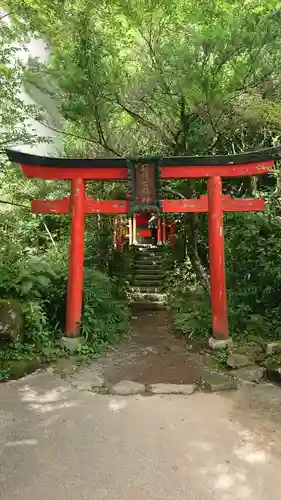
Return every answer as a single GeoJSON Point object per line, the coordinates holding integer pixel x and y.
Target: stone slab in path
{"type": "Point", "coordinates": [127, 388]}
{"type": "Point", "coordinates": [87, 380]}
{"type": "Point", "coordinates": [186, 389]}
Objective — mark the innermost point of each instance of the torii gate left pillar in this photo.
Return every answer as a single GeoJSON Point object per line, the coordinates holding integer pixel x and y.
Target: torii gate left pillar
{"type": "Point", "coordinates": [76, 257]}
{"type": "Point", "coordinates": [115, 169]}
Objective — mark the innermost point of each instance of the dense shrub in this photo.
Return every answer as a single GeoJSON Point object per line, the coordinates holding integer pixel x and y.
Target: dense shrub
{"type": "Point", "coordinates": [253, 263]}
{"type": "Point", "coordinates": [105, 312]}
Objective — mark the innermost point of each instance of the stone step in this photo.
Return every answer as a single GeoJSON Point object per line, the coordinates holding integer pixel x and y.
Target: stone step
{"type": "Point", "coordinates": [146, 248]}
{"type": "Point", "coordinates": [148, 270]}
{"type": "Point", "coordinates": [146, 283]}
{"type": "Point", "coordinates": [148, 263]}
{"type": "Point", "coordinates": [147, 305]}
{"type": "Point", "coordinates": [153, 250]}
{"type": "Point", "coordinates": [148, 257]}
{"type": "Point", "coordinates": [141, 276]}
{"type": "Point", "coordinates": [149, 241]}
{"type": "Point", "coordinates": [145, 289]}
{"type": "Point", "coordinates": [152, 297]}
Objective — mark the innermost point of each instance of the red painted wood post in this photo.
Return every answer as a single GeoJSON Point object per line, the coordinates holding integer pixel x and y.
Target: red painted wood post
{"type": "Point", "coordinates": [76, 259]}
{"type": "Point", "coordinates": [164, 230]}
{"type": "Point", "coordinates": [119, 234]}
{"type": "Point", "coordinates": [135, 241]}
{"type": "Point", "coordinates": [216, 258]}
{"type": "Point", "coordinates": [172, 235]}
{"type": "Point", "coordinates": [114, 232]}
{"type": "Point", "coordinates": [130, 227]}
{"type": "Point", "coordinates": [159, 236]}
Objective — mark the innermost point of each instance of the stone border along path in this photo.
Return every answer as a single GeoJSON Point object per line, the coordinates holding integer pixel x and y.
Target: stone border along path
{"type": "Point", "coordinates": [152, 360]}
{"type": "Point", "coordinates": [211, 382]}
{"type": "Point", "coordinates": [128, 388]}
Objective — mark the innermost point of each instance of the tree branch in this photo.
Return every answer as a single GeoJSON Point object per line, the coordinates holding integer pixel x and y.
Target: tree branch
{"type": "Point", "coordinates": [15, 204]}
{"type": "Point", "coordinates": [173, 192]}
{"type": "Point", "coordinates": [154, 60]}
{"type": "Point", "coordinates": [102, 138]}
{"type": "Point", "coordinates": [28, 209]}
{"type": "Point", "coordinates": [214, 143]}
{"type": "Point", "coordinates": [228, 58]}
{"type": "Point", "coordinates": [77, 136]}
{"type": "Point", "coordinates": [143, 121]}
{"type": "Point", "coordinates": [6, 15]}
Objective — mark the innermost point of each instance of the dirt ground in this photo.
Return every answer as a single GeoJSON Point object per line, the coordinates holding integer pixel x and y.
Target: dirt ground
{"type": "Point", "coordinates": [150, 354]}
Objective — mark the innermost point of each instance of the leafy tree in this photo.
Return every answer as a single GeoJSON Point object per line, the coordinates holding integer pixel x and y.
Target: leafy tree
{"type": "Point", "coordinates": [14, 113]}
{"type": "Point", "coordinates": [167, 77]}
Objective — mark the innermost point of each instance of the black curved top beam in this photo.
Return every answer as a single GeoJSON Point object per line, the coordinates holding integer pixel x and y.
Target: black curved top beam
{"type": "Point", "coordinates": [177, 161]}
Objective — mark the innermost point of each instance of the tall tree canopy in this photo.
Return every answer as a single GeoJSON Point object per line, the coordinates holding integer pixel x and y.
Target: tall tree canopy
{"type": "Point", "coordinates": [174, 77]}
{"type": "Point", "coordinates": [13, 112]}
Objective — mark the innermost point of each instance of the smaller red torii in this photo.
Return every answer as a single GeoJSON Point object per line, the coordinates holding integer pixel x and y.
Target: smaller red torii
{"type": "Point", "coordinates": [214, 168]}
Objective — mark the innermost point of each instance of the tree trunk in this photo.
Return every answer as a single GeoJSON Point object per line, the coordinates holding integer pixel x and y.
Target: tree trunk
{"type": "Point", "coordinates": [192, 228]}
{"type": "Point", "coordinates": [192, 251]}
{"type": "Point", "coordinates": [254, 185]}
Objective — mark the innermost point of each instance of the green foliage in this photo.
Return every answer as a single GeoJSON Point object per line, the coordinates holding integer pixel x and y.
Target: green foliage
{"type": "Point", "coordinates": [105, 314]}
{"type": "Point", "coordinates": [221, 356]}
{"type": "Point", "coordinates": [120, 268]}
{"type": "Point", "coordinates": [191, 312]}
{"type": "Point", "coordinates": [253, 273]}
{"type": "Point", "coordinates": [128, 85]}
{"type": "Point", "coordinates": [34, 283]}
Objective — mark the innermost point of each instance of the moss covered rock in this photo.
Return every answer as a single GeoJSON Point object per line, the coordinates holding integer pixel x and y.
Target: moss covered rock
{"type": "Point", "coordinates": [11, 320]}
{"type": "Point", "coordinates": [16, 369]}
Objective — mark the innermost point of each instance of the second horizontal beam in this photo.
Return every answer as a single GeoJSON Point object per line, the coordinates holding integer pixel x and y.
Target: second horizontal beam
{"type": "Point", "coordinates": [168, 206]}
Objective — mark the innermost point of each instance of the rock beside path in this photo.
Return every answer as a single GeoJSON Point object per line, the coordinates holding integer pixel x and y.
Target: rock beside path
{"type": "Point", "coordinates": [236, 360]}
{"type": "Point", "coordinates": [273, 348]}
{"type": "Point", "coordinates": [72, 343]}
{"type": "Point", "coordinates": [252, 373]}
{"type": "Point", "coordinates": [218, 382]}
{"type": "Point", "coordinates": [127, 388]}
{"type": "Point", "coordinates": [217, 344]}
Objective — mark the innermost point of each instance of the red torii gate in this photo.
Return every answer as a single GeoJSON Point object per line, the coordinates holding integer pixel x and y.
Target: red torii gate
{"type": "Point", "coordinates": [214, 168]}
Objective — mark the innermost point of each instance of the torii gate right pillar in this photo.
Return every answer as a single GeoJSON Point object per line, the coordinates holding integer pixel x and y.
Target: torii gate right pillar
{"type": "Point", "coordinates": [216, 259]}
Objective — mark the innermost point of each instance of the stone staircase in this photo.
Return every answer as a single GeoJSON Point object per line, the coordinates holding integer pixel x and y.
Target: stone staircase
{"type": "Point", "coordinates": [147, 277]}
